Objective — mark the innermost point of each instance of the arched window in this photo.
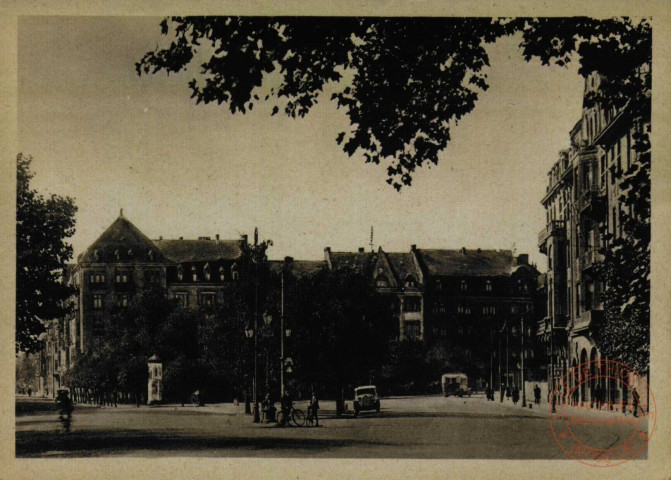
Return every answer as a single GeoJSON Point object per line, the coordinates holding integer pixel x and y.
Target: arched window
{"type": "Point", "coordinates": [488, 285]}
{"type": "Point", "coordinates": [117, 254]}
{"type": "Point", "coordinates": [180, 273]}
{"type": "Point", "coordinates": [130, 253]}
{"type": "Point", "coordinates": [410, 281]}
{"type": "Point", "coordinates": [194, 274]}
{"type": "Point", "coordinates": [206, 270]}
{"type": "Point", "coordinates": [221, 274]}
{"type": "Point", "coordinates": [464, 286]}
{"type": "Point", "coordinates": [150, 254]}
{"type": "Point", "coordinates": [381, 281]}
{"type": "Point", "coordinates": [234, 271]}
{"type": "Point", "coordinates": [550, 258]}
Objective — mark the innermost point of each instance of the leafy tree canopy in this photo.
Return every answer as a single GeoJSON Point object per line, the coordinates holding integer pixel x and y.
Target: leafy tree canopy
{"type": "Point", "coordinates": [403, 82]}
{"type": "Point", "coordinates": [42, 252]}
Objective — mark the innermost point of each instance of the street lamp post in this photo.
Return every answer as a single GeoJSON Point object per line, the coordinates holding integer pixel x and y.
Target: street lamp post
{"type": "Point", "coordinates": [282, 334]}
{"type": "Point", "coordinates": [524, 390]}
{"type": "Point", "coordinates": [258, 254]}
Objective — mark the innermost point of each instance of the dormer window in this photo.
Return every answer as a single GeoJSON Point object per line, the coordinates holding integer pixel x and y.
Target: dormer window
{"type": "Point", "coordinates": [130, 253]}
{"type": "Point", "coordinates": [180, 273]}
{"type": "Point", "coordinates": [522, 286]}
{"type": "Point", "coordinates": [381, 281]}
{"type": "Point", "coordinates": [221, 274]}
{"type": "Point", "coordinates": [150, 254]}
{"type": "Point", "coordinates": [464, 286]}
{"type": "Point", "coordinates": [96, 255]}
{"type": "Point", "coordinates": [488, 285]}
{"type": "Point", "coordinates": [410, 281]}
{"type": "Point", "coordinates": [117, 254]}
{"type": "Point", "coordinates": [234, 271]}
{"type": "Point", "coordinates": [206, 270]}
{"type": "Point", "coordinates": [194, 274]}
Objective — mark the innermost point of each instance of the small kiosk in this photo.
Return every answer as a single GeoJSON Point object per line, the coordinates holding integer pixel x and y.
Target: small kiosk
{"type": "Point", "coordinates": [155, 387]}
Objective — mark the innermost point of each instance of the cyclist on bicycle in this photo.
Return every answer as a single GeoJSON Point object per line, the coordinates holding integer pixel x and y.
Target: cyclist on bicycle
{"type": "Point", "coordinates": [287, 402]}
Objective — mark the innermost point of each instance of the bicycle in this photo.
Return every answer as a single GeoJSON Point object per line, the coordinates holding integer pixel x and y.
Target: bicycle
{"type": "Point", "coordinates": [297, 417]}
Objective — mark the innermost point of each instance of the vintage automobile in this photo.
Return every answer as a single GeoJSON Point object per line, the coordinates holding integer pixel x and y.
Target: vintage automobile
{"type": "Point", "coordinates": [365, 398]}
{"type": "Point", "coordinates": [455, 384]}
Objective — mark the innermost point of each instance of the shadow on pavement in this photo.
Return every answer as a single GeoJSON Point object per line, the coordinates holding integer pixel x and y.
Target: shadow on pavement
{"type": "Point", "coordinates": [30, 444]}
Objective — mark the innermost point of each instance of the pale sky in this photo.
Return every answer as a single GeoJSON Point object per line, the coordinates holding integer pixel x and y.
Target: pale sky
{"type": "Point", "coordinates": [112, 140]}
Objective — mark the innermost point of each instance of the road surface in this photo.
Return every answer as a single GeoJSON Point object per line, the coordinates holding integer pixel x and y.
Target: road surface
{"type": "Point", "coordinates": [410, 427]}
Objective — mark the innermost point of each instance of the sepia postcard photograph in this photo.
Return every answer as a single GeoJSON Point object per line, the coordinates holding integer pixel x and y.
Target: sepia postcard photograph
{"type": "Point", "coordinates": [348, 238]}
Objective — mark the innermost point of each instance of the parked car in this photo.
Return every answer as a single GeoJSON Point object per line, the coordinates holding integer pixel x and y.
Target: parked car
{"type": "Point", "coordinates": [366, 398]}
{"type": "Point", "coordinates": [455, 384]}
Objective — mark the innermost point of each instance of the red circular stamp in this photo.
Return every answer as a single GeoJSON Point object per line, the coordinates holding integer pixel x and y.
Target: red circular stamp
{"type": "Point", "coordinates": [602, 413]}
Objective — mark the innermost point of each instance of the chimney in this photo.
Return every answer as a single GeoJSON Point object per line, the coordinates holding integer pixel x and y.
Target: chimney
{"type": "Point", "coordinates": [244, 239]}
{"type": "Point", "coordinates": [217, 237]}
{"type": "Point", "coordinates": [327, 253]}
{"type": "Point", "coordinates": [288, 261]}
{"type": "Point", "coordinates": [413, 247]}
{"type": "Point", "coordinates": [361, 249]}
{"type": "Point", "coordinates": [161, 237]}
{"type": "Point", "coordinates": [479, 250]}
{"type": "Point", "coordinates": [523, 259]}
{"type": "Point", "coordinates": [463, 250]}
{"type": "Point", "coordinates": [181, 238]}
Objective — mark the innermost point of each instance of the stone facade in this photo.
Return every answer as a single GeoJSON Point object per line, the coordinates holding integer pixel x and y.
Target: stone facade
{"type": "Point", "coordinates": [582, 203]}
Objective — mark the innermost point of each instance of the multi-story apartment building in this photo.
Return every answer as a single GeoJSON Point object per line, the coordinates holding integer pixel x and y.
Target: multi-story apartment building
{"type": "Point", "coordinates": [122, 263]}
{"type": "Point", "coordinates": [583, 204]}
{"type": "Point", "coordinates": [474, 298]}
{"type": "Point", "coordinates": [477, 299]}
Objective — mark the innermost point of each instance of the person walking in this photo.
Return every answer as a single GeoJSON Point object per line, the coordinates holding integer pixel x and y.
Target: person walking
{"type": "Point", "coordinates": [314, 408]}
{"type": "Point", "coordinates": [635, 401]}
{"type": "Point", "coordinates": [516, 395]}
{"type": "Point", "coordinates": [537, 394]}
{"type": "Point", "coordinates": [503, 388]}
{"type": "Point", "coordinates": [508, 392]}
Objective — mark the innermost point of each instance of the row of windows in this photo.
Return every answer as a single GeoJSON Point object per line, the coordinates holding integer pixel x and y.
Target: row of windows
{"type": "Point", "coordinates": [439, 308]}
{"type": "Point", "coordinates": [120, 277]}
{"type": "Point", "coordinates": [207, 273]}
{"type": "Point", "coordinates": [122, 300]}
{"type": "Point", "coordinates": [207, 299]}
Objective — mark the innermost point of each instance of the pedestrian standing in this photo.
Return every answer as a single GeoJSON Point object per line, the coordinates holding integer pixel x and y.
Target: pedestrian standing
{"type": "Point", "coordinates": [537, 394]}
{"type": "Point", "coordinates": [501, 392]}
{"type": "Point", "coordinates": [516, 395]}
{"type": "Point", "coordinates": [508, 392]}
{"type": "Point", "coordinates": [314, 408]}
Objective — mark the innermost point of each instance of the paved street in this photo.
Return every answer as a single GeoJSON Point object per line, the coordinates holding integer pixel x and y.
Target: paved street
{"type": "Point", "coordinates": [407, 427]}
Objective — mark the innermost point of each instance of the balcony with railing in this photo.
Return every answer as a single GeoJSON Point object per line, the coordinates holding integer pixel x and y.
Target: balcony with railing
{"type": "Point", "coordinates": [589, 258]}
{"type": "Point", "coordinates": [555, 227]}
{"type": "Point", "coordinates": [588, 319]}
{"type": "Point", "coordinates": [590, 199]}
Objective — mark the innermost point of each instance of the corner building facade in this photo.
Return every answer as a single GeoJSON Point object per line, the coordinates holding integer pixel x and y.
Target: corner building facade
{"type": "Point", "coordinates": [583, 206]}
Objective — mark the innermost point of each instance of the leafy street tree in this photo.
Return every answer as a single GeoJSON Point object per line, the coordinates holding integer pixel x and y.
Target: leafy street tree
{"type": "Point", "coordinates": [404, 83]}
{"type": "Point", "coordinates": [343, 328]}
{"type": "Point", "coordinates": [42, 252]}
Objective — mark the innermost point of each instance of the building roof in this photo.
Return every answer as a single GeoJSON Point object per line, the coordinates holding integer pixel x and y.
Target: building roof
{"type": "Point", "coordinates": [467, 262]}
{"type": "Point", "coordinates": [127, 240]}
{"type": "Point", "coordinates": [203, 250]}
{"type": "Point", "coordinates": [299, 268]}
{"type": "Point", "coordinates": [362, 260]}
{"type": "Point", "coordinates": [402, 265]}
